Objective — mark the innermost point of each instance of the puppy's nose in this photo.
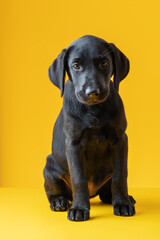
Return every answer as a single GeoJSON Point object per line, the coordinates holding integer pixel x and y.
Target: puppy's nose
{"type": "Point", "coordinates": [92, 93]}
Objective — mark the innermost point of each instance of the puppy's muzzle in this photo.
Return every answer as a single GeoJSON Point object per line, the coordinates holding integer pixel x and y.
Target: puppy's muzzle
{"type": "Point", "coordinates": [92, 93]}
{"type": "Point", "coordinates": [91, 96]}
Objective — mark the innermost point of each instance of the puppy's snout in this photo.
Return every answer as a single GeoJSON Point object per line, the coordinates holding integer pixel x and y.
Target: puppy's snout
{"type": "Point", "coordinates": [92, 92]}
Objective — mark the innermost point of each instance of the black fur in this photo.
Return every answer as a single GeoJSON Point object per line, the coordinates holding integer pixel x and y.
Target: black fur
{"type": "Point", "coordinates": [90, 146]}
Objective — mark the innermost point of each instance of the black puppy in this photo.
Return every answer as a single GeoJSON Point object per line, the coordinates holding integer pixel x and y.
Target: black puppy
{"type": "Point", "coordinates": [90, 146]}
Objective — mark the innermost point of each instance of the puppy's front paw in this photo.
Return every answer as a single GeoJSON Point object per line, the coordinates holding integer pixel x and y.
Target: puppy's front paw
{"type": "Point", "coordinates": [59, 203]}
{"type": "Point", "coordinates": [124, 210]}
{"type": "Point", "coordinates": [76, 214]}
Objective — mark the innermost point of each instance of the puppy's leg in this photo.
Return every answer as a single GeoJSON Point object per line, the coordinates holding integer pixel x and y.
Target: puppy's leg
{"type": "Point", "coordinates": [122, 203]}
{"type": "Point", "coordinates": [57, 192]}
{"type": "Point", "coordinates": [81, 205]}
{"type": "Point", "coordinates": [105, 192]}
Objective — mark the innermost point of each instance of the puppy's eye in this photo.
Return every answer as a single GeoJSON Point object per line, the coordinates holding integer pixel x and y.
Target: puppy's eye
{"type": "Point", "coordinates": [76, 66]}
{"type": "Point", "coordinates": [104, 64]}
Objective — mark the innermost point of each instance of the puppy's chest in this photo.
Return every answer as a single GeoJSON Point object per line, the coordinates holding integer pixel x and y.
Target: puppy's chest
{"type": "Point", "coordinates": [96, 157]}
{"type": "Point", "coordinates": [96, 119]}
{"type": "Point", "coordinates": [98, 152]}
{"type": "Point", "coordinates": [98, 138]}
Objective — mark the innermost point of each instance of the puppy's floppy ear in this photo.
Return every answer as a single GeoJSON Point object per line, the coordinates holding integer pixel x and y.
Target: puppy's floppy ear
{"type": "Point", "coordinates": [120, 65]}
{"type": "Point", "coordinates": [56, 71]}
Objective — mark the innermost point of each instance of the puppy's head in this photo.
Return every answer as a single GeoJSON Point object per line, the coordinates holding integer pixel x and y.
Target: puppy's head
{"type": "Point", "coordinates": [90, 62]}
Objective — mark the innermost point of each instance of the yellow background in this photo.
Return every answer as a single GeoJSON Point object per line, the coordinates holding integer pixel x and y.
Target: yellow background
{"type": "Point", "coordinates": [28, 217]}
{"type": "Point", "coordinates": [32, 35]}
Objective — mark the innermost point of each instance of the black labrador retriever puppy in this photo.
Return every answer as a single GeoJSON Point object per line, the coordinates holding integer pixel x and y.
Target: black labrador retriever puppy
{"type": "Point", "coordinates": [90, 146]}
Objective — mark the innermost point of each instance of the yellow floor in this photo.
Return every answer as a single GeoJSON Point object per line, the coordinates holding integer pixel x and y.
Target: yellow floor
{"type": "Point", "coordinates": [25, 214]}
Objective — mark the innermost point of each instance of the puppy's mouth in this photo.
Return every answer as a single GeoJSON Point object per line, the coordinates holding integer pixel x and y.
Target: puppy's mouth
{"type": "Point", "coordinates": [92, 101]}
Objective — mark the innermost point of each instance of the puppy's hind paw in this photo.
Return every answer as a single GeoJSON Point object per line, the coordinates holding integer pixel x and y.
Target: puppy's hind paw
{"type": "Point", "coordinates": [59, 203]}
{"type": "Point", "coordinates": [132, 200]}
{"type": "Point", "coordinates": [124, 210]}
